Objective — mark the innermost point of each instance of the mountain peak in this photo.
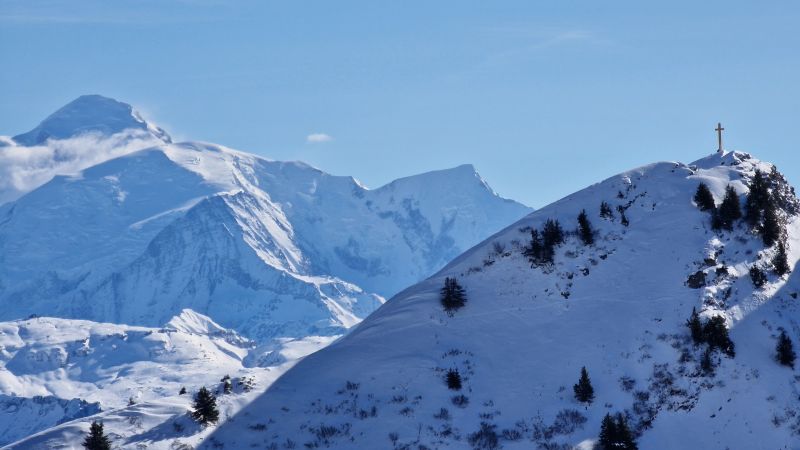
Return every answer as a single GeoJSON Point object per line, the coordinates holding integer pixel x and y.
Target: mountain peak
{"type": "Point", "coordinates": [90, 114]}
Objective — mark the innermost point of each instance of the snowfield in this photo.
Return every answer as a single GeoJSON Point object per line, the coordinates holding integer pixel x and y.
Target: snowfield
{"type": "Point", "coordinates": [618, 307]}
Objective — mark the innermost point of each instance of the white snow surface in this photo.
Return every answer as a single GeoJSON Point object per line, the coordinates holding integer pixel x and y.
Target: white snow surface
{"type": "Point", "coordinates": [618, 307]}
{"type": "Point", "coordinates": [57, 370]}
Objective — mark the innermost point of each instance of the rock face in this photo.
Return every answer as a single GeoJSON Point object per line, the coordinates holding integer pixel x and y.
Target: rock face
{"type": "Point", "coordinates": [618, 307]}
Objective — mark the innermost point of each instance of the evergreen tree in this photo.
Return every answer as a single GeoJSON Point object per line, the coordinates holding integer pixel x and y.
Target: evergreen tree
{"type": "Point", "coordinates": [608, 433]}
{"type": "Point", "coordinates": [585, 229]}
{"type": "Point", "coordinates": [771, 229]}
{"type": "Point", "coordinates": [716, 335]}
{"type": "Point", "coordinates": [615, 434]}
{"type": "Point", "coordinates": [452, 295]}
{"type": "Point", "coordinates": [758, 276]}
{"type": "Point", "coordinates": [584, 392]}
{"type": "Point", "coordinates": [96, 439]}
{"type": "Point", "coordinates": [780, 263]}
{"type": "Point", "coordinates": [605, 210]}
{"type": "Point", "coordinates": [729, 211]}
{"type": "Point", "coordinates": [205, 407]}
{"type": "Point", "coordinates": [757, 199]}
{"type": "Point", "coordinates": [695, 327]}
{"type": "Point", "coordinates": [703, 198]}
{"type": "Point", "coordinates": [535, 250]}
{"type": "Point", "coordinates": [785, 350]}
{"type": "Point", "coordinates": [552, 233]}
{"type": "Point", "coordinates": [453, 380]}
{"type": "Point", "coordinates": [182, 391]}
{"type": "Point", "coordinates": [624, 436]}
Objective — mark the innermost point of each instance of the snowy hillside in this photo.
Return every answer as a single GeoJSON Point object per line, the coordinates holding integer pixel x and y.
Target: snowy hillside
{"type": "Point", "coordinates": [272, 249]}
{"type": "Point", "coordinates": [619, 307]}
{"type": "Point", "coordinates": [55, 370]}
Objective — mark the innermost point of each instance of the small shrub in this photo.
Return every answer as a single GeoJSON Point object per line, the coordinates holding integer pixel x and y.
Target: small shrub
{"type": "Point", "coordinates": [461, 400]}
{"type": "Point", "coordinates": [485, 438]}
{"type": "Point", "coordinates": [784, 350]}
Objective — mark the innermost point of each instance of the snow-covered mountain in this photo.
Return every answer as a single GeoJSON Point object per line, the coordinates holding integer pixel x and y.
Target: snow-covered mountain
{"type": "Point", "coordinates": [618, 307]}
{"type": "Point", "coordinates": [271, 249]}
{"type": "Point", "coordinates": [56, 370]}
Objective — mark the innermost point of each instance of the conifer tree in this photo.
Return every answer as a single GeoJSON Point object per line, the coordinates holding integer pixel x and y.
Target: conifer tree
{"type": "Point", "coordinates": [584, 392]}
{"type": "Point", "coordinates": [703, 198]}
{"type": "Point", "coordinates": [452, 295]}
{"type": "Point", "coordinates": [771, 229]}
{"type": "Point", "coordinates": [535, 250]}
{"type": "Point", "coordinates": [716, 335]}
{"type": "Point", "coordinates": [615, 434]}
{"type": "Point", "coordinates": [585, 230]}
{"type": "Point", "coordinates": [182, 391]}
{"type": "Point", "coordinates": [729, 210]}
{"type": "Point", "coordinates": [608, 433]}
{"type": "Point", "coordinates": [757, 199]}
{"type": "Point", "coordinates": [96, 439]}
{"type": "Point", "coordinates": [780, 263]}
{"type": "Point", "coordinates": [624, 436]}
{"type": "Point", "coordinates": [785, 350]}
{"type": "Point", "coordinates": [205, 407]}
{"type": "Point", "coordinates": [695, 327]}
{"type": "Point", "coordinates": [453, 380]}
{"type": "Point", "coordinates": [758, 276]}
{"type": "Point", "coordinates": [552, 233]}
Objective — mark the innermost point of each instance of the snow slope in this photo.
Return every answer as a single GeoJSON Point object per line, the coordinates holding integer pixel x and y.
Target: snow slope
{"type": "Point", "coordinates": [617, 307]}
{"type": "Point", "coordinates": [272, 249]}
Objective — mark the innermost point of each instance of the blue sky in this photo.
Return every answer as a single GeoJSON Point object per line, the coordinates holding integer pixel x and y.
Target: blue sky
{"type": "Point", "coordinates": [543, 97]}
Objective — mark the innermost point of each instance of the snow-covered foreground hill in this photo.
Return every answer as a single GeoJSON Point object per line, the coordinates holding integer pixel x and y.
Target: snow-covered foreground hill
{"type": "Point", "coordinates": [618, 307]}
{"type": "Point", "coordinates": [272, 249]}
{"type": "Point", "coordinates": [56, 370]}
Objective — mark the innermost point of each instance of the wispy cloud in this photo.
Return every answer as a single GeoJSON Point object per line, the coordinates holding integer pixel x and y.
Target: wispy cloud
{"type": "Point", "coordinates": [318, 138]}
{"type": "Point", "coordinates": [23, 169]}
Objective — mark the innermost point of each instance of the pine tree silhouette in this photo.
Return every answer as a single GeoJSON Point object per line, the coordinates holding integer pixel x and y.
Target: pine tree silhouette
{"type": "Point", "coordinates": [772, 228]}
{"type": "Point", "coordinates": [585, 228]}
{"type": "Point", "coordinates": [780, 263]}
{"type": "Point", "coordinates": [716, 335]}
{"type": "Point", "coordinates": [703, 198]}
{"type": "Point", "coordinates": [453, 380]}
{"type": "Point", "coordinates": [584, 392]}
{"type": "Point", "coordinates": [785, 350]}
{"type": "Point", "coordinates": [758, 276]}
{"type": "Point", "coordinates": [757, 199]}
{"type": "Point", "coordinates": [615, 434]}
{"type": "Point", "coordinates": [695, 327]}
{"type": "Point", "coordinates": [452, 295]}
{"type": "Point", "coordinates": [535, 249]}
{"type": "Point", "coordinates": [608, 433]}
{"type": "Point", "coordinates": [205, 407]}
{"type": "Point", "coordinates": [96, 439]}
{"type": "Point", "coordinates": [729, 210]}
